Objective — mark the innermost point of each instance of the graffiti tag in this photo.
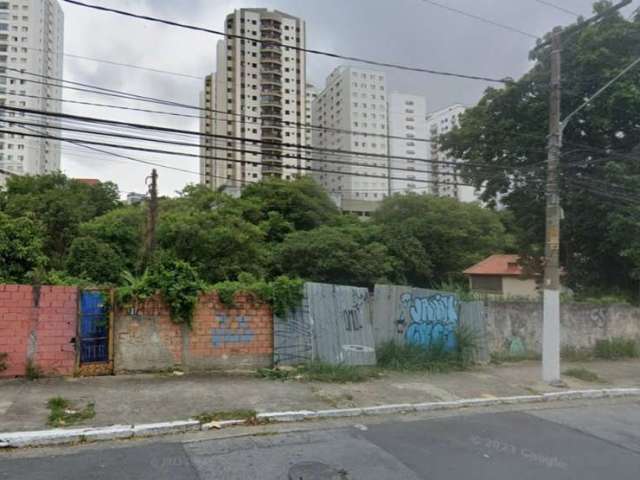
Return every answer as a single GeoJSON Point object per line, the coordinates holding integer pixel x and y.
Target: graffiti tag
{"type": "Point", "coordinates": [428, 320]}
{"type": "Point", "coordinates": [227, 332]}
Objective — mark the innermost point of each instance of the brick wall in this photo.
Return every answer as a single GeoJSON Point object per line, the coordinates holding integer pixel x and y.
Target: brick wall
{"type": "Point", "coordinates": [219, 337]}
{"type": "Point", "coordinates": [40, 327]}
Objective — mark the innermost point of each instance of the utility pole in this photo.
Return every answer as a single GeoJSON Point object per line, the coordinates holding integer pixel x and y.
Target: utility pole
{"type": "Point", "coordinates": [551, 286]}
{"type": "Point", "coordinates": [152, 219]}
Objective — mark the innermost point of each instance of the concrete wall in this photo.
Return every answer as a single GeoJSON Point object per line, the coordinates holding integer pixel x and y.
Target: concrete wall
{"type": "Point", "coordinates": [38, 326]}
{"type": "Point", "coordinates": [147, 340]}
{"type": "Point", "coordinates": [519, 287]}
{"type": "Point", "coordinates": [516, 327]}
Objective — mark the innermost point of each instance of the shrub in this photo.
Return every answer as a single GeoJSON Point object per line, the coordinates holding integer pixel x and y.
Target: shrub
{"type": "Point", "coordinates": [435, 358]}
{"type": "Point", "coordinates": [616, 348]}
{"type": "Point", "coordinates": [3, 361]}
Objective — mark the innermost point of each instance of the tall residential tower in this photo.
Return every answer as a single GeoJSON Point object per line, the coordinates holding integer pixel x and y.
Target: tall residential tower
{"type": "Point", "coordinates": [31, 40]}
{"type": "Point", "coordinates": [255, 102]}
{"type": "Point", "coordinates": [352, 109]}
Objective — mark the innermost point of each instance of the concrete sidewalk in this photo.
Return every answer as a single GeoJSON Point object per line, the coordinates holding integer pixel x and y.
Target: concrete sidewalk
{"type": "Point", "coordinates": [151, 398]}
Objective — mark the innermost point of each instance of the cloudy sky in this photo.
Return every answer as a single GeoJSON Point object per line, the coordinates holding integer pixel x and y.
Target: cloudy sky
{"type": "Point", "coordinates": [412, 32]}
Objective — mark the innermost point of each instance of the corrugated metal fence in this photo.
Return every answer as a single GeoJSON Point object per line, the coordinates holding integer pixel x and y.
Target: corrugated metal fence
{"type": "Point", "coordinates": [341, 324]}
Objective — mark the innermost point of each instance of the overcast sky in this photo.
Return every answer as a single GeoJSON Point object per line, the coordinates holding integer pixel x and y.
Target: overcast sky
{"type": "Point", "coordinates": [411, 32]}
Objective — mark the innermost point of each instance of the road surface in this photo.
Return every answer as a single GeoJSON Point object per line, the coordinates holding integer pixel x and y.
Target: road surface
{"type": "Point", "coordinates": [596, 442]}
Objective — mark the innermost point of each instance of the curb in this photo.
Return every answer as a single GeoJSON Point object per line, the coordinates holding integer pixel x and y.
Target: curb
{"type": "Point", "coordinates": [93, 434]}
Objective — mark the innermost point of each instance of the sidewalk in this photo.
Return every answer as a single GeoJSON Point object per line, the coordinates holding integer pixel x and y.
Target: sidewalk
{"type": "Point", "coordinates": [150, 398]}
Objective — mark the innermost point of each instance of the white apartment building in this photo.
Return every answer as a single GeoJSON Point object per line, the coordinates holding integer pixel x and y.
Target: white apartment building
{"type": "Point", "coordinates": [31, 39]}
{"type": "Point", "coordinates": [445, 176]}
{"type": "Point", "coordinates": [353, 107]}
{"type": "Point", "coordinates": [407, 120]}
{"type": "Point", "coordinates": [311, 93]}
{"type": "Point", "coordinates": [257, 93]}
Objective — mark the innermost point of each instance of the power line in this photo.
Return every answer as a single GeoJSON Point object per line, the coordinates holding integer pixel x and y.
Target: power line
{"type": "Point", "coordinates": [291, 47]}
{"type": "Point", "coordinates": [127, 65]}
{"type": "Point", "coordinates": [558, 7]}
{"type": "Point", "coordinates": [134, 96]}
{"type": "Point", "coordinates": [231, 138]}
{"type": "Point", "coordinates": [228, 160]}
{"type": "Point", "coordinates": [478, 17]}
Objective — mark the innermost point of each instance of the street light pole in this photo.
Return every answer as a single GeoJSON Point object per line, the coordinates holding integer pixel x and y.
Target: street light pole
{"type": "Point", "coordinates": [551, 286]}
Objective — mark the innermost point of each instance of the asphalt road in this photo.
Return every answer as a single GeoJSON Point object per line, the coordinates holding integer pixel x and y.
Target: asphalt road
{"type": "Point", "coordinates": [598, 442]}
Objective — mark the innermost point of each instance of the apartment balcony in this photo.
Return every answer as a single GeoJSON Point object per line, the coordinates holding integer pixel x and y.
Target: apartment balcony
{"type": "Point", "coordinates": [271, 68]}
{"type": "Point", "coordinates": [271, 101]}
{"type": "Point", "coordinates": [271, 111]}
{"type": "Point", "coordinates": [275, 89]}
{"type": "Point", "coordinates": [271, 122]}
{"type": "Point", "coordinates": [271, 57]}
{"type": "Point", "coordinates": [271, 35]}
{"type": "Point", "coordinates": [269, 133]}
{"type": "Point", "coordinates": [271, 78]}
{"type": "Point", "coordinates": [270, 47]}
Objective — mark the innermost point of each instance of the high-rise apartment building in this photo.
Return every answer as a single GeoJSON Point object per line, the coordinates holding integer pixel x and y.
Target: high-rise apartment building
{"type": "Point", "coordinates": [258, 98]}
{"type": "Point", "coordinates": [311, 93]}
{"type": "Point", "coordinates": [31, 40]}
{"type": "Point", "coordinates": [446, 181]}
{"type": "Point", "coordinates": [352, 109]}
{"type": "Point", "coordinates": [407, 132]}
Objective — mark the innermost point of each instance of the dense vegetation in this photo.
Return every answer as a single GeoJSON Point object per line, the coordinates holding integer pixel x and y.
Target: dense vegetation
{"type": "Point", "coordinates": [57, 230]}
{"type": "Point", "coordinates": [502, 141]}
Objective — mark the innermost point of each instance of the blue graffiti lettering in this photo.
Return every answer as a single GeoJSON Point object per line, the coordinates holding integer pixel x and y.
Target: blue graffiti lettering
{"type": "Point", "coordinates": [432, 320]}
{"type": "Point", "coordinates": [226, 333]}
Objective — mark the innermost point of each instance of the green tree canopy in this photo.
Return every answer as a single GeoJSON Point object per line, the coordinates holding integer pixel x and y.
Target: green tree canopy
{"type": "Point", "coordinates": [301, 202]}
{"type": "Point", "coordinates": [502, 141]}
{"type": "Point", "coordinates": [21, 248]}
{"type": "Point", "coordinates": [61, 204]}
{"type": "Point", "coordinates": [436, 238]}
{"type": "Point", "coordinates": [347, 254]}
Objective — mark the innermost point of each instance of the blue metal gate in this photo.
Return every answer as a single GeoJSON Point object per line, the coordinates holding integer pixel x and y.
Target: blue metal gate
{"type": "Point", "coordinates": [94, 327]}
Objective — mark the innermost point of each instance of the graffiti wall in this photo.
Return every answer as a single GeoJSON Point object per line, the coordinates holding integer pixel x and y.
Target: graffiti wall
{"type": "Point", "coordinates": [333, 325]}
{"type": "Point", "coordinates": [415, 316]}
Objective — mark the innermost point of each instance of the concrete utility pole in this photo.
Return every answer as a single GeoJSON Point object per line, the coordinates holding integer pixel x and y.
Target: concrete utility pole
{"type": "Point", "coordinates": [551, 287]}
{"type": "Point", "coordinates": [152, 219]}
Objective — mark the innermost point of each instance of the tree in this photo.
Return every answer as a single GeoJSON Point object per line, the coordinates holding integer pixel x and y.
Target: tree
{"type": "Point", "coordinates": [301, 202]}
{"type": "Point", "coordinates": [61, 204]}
{"type": "Point", "coordinates": [435, 238]}
{"type": "Point", "coordinates": [207, 230]}
{"type": "Point", "coordinates": [347, 254]}
{"type": "Point", "coordinates": [122, 231]}
{"type": "Point", "coordinates": [94, 260]}
{"type": "Point", "coordinates": [21, 248]}
{"type": "Point", "coordinates": [502, 143]}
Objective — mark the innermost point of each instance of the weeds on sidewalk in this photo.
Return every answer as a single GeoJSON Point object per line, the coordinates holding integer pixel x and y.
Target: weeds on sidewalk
{"type": "Point", "coordinates": [616, 348]}
{"type": "Point", "coordinates": [435, 358]}
{"type": "Point", "coordinates": [220, 416]}
{"type": "Point", "coordinates": [33, 372]}
{"type": "Point", "coordinates": [498, 358]}
{"type": "Point", "coordinates": [320, 372]}
{"type": "Point", "coordinates": [64, 414]}
{"type": "Point", "coordinates": [583, 374]}
{"type": "Point", "coordinates": [575, 354]}
{"type": "Point", "coordinates": [3, 361]}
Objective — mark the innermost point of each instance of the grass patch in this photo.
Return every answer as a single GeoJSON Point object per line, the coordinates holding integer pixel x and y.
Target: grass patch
{"type": "Point", "coordinates": [575, 354]}
{"type": "Point", "coordinates": [33, 372]}
{"type": "Point", "coordinates": [3, 361]}
{"type": "Point", "coordinates": [220, 416]}
{"type": "Point", "coordinates": [498, 358]}
{"type": "Point", "coordinates": [321, 372]}
{"type": "Point", "coordinates": [435, 358]}
{"type": "Point", "coordinates": [616, 348]}
{"type": "Point", "coordinates": [63, 413]}
{"type": "Point", "coordinates": [583, 374]}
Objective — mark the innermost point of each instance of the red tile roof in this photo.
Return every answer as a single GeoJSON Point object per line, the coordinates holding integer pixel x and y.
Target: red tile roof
{"type": "Point", "coordinates": [496, 265]}
{"type": "Point", "coordinates": [88, 181]}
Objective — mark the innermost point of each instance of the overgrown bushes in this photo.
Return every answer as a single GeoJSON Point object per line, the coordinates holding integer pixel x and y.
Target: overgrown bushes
{"type": "Point", "coordinates": [616, 348]}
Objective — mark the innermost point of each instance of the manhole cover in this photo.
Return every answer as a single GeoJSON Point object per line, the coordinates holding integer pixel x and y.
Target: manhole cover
{"type": "Point", "coordinates": [316, 471]}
